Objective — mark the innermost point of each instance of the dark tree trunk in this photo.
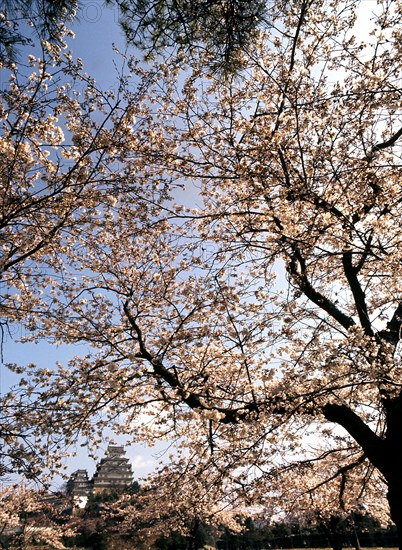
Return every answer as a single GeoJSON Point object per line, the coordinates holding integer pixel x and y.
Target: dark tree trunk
{"type": "Point", "coordinates": [357, 542]}
{"type": "Point", "coordinates": [394, 496]}
{"type": "Point", "coordinates": [384, 453]}
{"type": "Point", "coordinates": [334, 539]}
{"type": "Point", "coordinates": [330, 526]}
{"type": "Point", "coordinates": [356, 538]}
{"type": "Point", "coordinates": [393, 468]}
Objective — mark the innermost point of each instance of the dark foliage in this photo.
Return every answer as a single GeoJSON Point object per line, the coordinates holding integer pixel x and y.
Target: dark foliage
{"type": "Point", "coordinates": [225, 28]}
{"type": "Point", "coordinates": [24, 20]}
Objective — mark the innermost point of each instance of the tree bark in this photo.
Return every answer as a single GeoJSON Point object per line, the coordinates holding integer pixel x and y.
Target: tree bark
{"type": "Point", "coordinates": [373, 446]}
{"type": "Point", "coordinates": [356, 537]}
{"type": "Point", "coordinates": [330, 528]}
{"type": "Point", "coordinates": [394, 497]}
{"type": "Point", "coordinates": [384, 453]}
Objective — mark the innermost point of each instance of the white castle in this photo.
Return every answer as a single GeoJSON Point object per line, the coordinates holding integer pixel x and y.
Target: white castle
{"type": "Point", "coordinates": [113, 473]}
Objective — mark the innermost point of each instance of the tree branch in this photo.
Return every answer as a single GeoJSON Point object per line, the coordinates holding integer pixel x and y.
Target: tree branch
{"type": "Point", "coordinates": [357, 291]}
{"type": "Point", "coordinates": [229, 416]}
{"type": "Point", "coordinates": [340, 472]}
{"type": "Point", "coordinates": [393, 332]}
{"type": "Point", "coordinates": [372, 445]}
{"type": "Point", "coordinates": [387, 143]}
{"type": "Point", "coordinates": [297, 268]}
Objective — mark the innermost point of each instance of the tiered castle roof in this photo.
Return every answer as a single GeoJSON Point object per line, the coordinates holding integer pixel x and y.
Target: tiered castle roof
{"type": "Point", "coordinates": [113, 472]}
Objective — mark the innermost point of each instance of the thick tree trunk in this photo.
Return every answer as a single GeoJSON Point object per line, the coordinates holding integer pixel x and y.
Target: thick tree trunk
{"type": "Point", "coordinates": [356, 538]}
{"type": "Point", "coordinates": [330, 526]}
{"type": "Point", "coordinates": [394, 496]}
{"type": "Point", "coordinates": [334, 538]}
{"type": "Point", "coordinates": [384, 453]}
{"type": "Point", "coordinates": [393, 470]}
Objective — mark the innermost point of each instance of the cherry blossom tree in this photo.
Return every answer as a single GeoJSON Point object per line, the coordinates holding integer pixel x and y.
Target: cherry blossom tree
{"type": "Point", "coordinates": [224, 27]}
{"type": "Point", "coordinates": [240, 288]}
{"type": "Point", "coordinates": [329, 491]}
{"type": "Point", "coordinates": [152, 512]}
{"type": "Point", "coordinates": [28, 516]}
{"type": "Point", "coordinates": [23, 20]}
{"type": "Point", "coordinates": [56, 143]}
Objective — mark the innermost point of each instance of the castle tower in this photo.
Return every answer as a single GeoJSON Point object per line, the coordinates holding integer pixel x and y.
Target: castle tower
{"type": "Point", "coordinates": [79, 485]}
{"type": "Point", "coordinates": [113, 472]}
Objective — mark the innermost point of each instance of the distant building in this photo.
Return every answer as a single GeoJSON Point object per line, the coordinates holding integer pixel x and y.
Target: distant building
{"type": "Point", "coordinates": [113, 472]}
{"type": "Point", "coordinates": [79, 485]}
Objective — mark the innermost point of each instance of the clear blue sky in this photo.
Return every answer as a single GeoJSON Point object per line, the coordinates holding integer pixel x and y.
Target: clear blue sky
{"type": "Point", "coordinates": [96, 30]}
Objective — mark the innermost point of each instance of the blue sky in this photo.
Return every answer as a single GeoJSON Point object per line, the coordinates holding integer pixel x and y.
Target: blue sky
{"type": "Point", "coordinates": [96, 30]}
